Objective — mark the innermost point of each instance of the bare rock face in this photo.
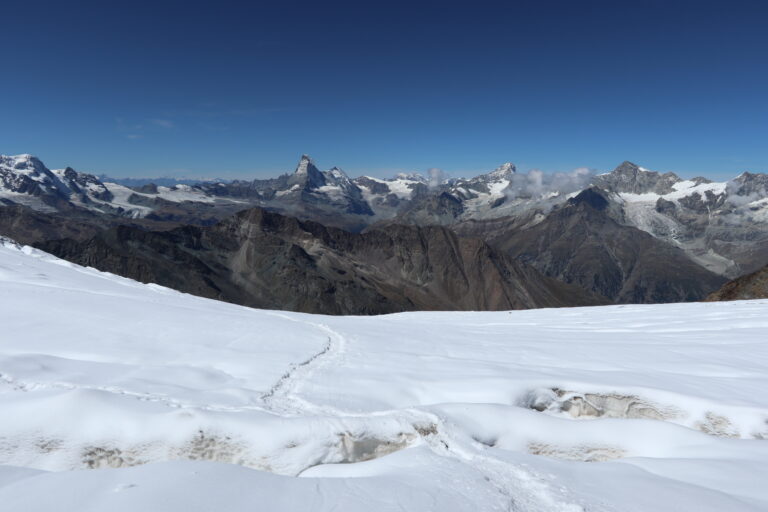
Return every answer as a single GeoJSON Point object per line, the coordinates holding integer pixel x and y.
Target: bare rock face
{"type": "Point", "coordinates": [629, 177]}
{"type": "Point", "coordinates": [751, 286]}
{"type": "Point", "coordinates": [581, 243]}
{"type": "Point", "coordinates": [28, 226]}
{"type": "Point", "coordinates": [263, 259]}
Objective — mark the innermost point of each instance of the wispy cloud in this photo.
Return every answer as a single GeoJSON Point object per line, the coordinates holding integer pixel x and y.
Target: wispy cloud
{"type": "Point", "coordinates": [536, 183]}
{"type": "Point", "coordinates": [211, 116]}
{"type": "Point", "coordinates": [436, 177]}
{"type": "Point", "coordinates": [137, 129]}
{"type": "Point", "coordinates": [162, 123]}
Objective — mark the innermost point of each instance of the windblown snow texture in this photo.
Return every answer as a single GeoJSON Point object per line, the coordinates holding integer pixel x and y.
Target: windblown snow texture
{"type": "Point", "coordinates": [121, 396]}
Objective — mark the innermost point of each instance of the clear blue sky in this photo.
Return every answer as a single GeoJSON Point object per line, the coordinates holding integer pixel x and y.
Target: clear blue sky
{"type": "Point", "coordinates": [242, 90]}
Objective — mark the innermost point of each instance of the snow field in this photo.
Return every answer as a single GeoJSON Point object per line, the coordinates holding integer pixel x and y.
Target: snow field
{"type": "Point", "coordinates": [122, 396]}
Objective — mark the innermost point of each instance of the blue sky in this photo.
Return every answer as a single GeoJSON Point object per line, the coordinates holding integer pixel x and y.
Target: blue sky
{"type": "Point", "coordinates": [243, 89]}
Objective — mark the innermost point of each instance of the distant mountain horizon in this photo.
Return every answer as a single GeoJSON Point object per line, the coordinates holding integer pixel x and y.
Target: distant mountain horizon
{"type": "Point", "coordinates": [161, 181]}
{"type": "Point", "coordinates": [720, 227]}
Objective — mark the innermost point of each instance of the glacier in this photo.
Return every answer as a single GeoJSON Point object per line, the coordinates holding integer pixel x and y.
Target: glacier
{"type": "Point", "coordinates": [116, 395]}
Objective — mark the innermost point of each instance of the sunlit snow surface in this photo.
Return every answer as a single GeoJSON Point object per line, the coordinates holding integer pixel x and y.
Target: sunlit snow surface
{"type": "Point", "coordinates": [201, 405]}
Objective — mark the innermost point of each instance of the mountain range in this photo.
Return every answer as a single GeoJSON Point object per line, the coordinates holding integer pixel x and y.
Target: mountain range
{"type": "Point", "coordinates": [627, 236]}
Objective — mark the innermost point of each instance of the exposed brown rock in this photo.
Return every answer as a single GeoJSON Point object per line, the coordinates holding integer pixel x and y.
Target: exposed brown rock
{"type": "Point", "coordinates": [751, 286]}
{"type": "Point", "coordinates": [263, 259]}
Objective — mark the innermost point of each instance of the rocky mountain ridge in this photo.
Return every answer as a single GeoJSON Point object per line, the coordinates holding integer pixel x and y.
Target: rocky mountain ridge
{"type": "Point", "coordinates": [266, 260]}
{"type": "Point", "coordinates": [697, 231]}
{"type": "Point", "coordinates": [748, 287]}
{"type": "Point", "coordinates": [723, 226]}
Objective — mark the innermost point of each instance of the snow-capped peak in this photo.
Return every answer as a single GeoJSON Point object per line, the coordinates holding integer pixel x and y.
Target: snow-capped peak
{"type": "Point", "coordinates": [307, 174]}
{"type": "Point", "coordinates": [23, 162]}
{"type": "Point", "coordinates": [411, 176]}
{"type": "Point", "coordinates": [505, 170]}
{"type": "Point", "coordinates": [503, 173]}
{"type": "Point", "coordinates": [25, 174]}
{"type": "Point", "coordinates": [304, 165]}
{"type": "Point", "coordinates": [337, 177]}
{"type": "Point", "coordinates": [24, 157]}
{"type": "Point", "coordinates": [627, 167]}
{"type": "Point", "coordinates": [338, 173]}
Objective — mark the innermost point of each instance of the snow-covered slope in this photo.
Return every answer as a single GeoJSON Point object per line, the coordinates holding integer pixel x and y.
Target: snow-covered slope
{"type": "Point", "coordinates": [202, 405]}
{"type": "Point", "coordinates": [387, 197]}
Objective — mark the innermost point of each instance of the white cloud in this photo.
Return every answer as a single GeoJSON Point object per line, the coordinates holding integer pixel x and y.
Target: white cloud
{"type": "Point", "coordinates": [536, 183]}
{"type": "Point", "coordinates": [436, 177]}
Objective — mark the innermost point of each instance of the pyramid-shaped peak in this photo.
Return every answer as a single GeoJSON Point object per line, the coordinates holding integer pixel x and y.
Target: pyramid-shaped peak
{"type": "Point", "coordinates": [307, 175]}
{"type": "Point", "coordinates": [306, 165]}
